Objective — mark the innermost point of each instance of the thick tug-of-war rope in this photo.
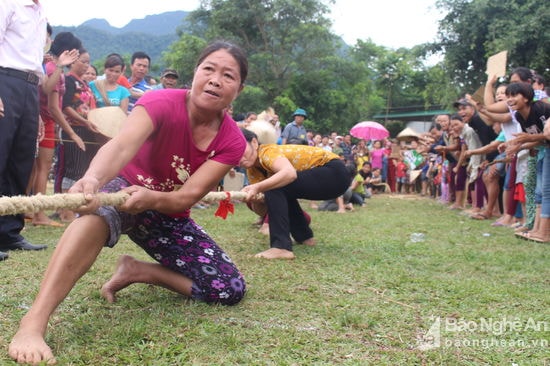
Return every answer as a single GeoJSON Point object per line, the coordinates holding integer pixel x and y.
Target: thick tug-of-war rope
{"type": "Point", "coordinates": [27, 204]}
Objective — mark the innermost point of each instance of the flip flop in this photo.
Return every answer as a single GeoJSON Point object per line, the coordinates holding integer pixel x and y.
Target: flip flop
{"type": "Point", "coordinates": [521, 229]}
{"type": "Point", "coordinates": [522, 234]}
{"type": "Point", "coordinates": [538, 240]}
{"type": "Point", "coordinates": [534, 238]}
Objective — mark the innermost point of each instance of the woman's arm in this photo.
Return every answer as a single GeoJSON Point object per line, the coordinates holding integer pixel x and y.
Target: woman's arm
{"type": "Point", "coordinates": [284, 175]}
{"type": "Point", "coordinates": [492, 146]}
{"type": "Point", "coordinates": [546, 130]}
{"type": "Point", "coordinates": [489, 92]}
{"type": "Point", "coordinates": [124, 104]}
{"type": "Point", "coordinates": [204, 180]}
{"type": "Point", "coordinates": [73, 115]}
{"type": "Point", "coordinates": [498, 107]}
{"type": "Point", "coordinates": [118, 151]}
{"type": "Point", "coordinates": [495, 117]}
{"type": "Point", "coordinates": [461, 158]}
{"type": "Point", "coordinates": [524, 141]}
{"type": "Point", "coordinates": [65, 59]}
{"type": "Point", "coordinates": [59, 118]}
{"type": "Point", "coordinates": [354, 184]}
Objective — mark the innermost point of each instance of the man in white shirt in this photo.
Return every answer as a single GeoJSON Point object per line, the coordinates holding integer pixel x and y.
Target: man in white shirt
{"type": "Point", "coordinates": [22, 40]}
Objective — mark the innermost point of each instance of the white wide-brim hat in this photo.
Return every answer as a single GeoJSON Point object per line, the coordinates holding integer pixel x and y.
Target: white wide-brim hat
{"type": "Point", "coordinates": [107, 119]}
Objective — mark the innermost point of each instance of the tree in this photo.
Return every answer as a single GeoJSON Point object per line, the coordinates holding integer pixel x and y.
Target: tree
{"type": "Point", "coordinates": [472, 31]}
{"type": "Point", "coordinates": [282, 37]}
{"type": "Point", "coordinates": [182, 55]}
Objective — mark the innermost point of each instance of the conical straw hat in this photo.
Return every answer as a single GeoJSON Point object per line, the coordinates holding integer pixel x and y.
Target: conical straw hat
{"type": "Point", "coordinates": [107, 119]}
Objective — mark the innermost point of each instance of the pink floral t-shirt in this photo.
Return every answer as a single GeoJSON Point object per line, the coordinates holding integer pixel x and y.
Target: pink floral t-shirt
{"type": "Point", "coordinates": [169, 156]}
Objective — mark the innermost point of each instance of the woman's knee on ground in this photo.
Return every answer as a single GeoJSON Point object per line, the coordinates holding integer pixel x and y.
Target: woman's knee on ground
{"type": "Point", "coordinates": [223, 291]}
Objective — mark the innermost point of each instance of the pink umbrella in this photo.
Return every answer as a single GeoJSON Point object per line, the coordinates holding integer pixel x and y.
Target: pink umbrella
{"type": "Point", "coordinates": [369, 130]}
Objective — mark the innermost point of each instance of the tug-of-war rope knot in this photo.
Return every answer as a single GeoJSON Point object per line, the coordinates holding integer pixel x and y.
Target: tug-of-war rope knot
{"type": "Point", "coordinates": [30, 204]}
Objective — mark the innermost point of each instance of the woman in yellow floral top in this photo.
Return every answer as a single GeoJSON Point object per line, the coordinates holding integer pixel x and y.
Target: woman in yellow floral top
{"type": "Point", "coordinates": [284, 174]}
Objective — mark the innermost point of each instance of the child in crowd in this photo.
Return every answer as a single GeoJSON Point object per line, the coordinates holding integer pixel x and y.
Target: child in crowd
{"type": "Point", "coordinates": [401, 174]}
{"type": "Point", "coordinates": [377, 184]}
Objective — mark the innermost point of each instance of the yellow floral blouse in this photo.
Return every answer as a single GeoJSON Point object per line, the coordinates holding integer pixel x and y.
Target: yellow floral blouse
{"type": "Point", "coordinates": [302, 157]}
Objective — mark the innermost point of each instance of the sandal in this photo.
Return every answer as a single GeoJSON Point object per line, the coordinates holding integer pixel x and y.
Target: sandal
{"type": "Point", "coordinates": [538, 240]}
{"type": "Point", "coordinates": [528, 236]}
{"type": "Point", "coordinates": [521, 229]}
{"type": "Point", "coordinates": [522, 234]}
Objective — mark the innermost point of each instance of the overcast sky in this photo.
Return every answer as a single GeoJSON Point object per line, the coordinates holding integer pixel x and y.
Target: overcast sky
{"type": "Point", "coordinates": [390, 23]}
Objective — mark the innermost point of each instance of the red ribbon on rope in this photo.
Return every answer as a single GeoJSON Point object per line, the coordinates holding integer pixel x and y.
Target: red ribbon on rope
{"type": "Point", "coordinates": [224, 207]}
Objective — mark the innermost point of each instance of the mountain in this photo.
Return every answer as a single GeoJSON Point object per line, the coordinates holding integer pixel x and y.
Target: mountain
{"type": "Point", "coordinates": [152, 34]}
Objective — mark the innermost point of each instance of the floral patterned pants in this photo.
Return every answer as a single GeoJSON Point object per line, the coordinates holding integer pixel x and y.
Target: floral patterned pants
{"type": "Point", "coordinates": [180, 245]}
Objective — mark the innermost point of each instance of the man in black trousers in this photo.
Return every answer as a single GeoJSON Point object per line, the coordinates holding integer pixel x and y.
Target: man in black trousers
{"type": "Point", "coordinates": [21, 54]}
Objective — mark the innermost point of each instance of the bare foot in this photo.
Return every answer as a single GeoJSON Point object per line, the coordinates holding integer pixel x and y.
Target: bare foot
{"type": "Point", "coordinates": [310, 242]}
{"type": "Point", "coordinates": [506, 220]}
{"type": "Point", "coordinates": [538, 237]}
{"type": "Point", "coordinates": [264, 229]}
{"type": "Point", "coordinates": [67, 216]}
{"type": "Point", "coordinates": [120, 279]}
{"type": "Point", "coordinates": [276, 253]}
{"type": "Point", "coordinates": [341, 210]}
{"type": "Point", "coordinates": [28, 346]}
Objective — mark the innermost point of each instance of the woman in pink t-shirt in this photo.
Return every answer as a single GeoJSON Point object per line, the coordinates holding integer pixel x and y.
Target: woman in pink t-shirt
{"type": "Point", "coordinates": [377, 153]}
{"type": "Point", "coordinates": [174, 148]}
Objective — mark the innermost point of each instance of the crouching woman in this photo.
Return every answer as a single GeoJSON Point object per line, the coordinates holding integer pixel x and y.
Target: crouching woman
{"type": "Point", "coordinates": [284, 174]}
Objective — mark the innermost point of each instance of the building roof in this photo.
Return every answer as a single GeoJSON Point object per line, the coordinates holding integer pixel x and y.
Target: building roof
{"type": "Point", "coordinates": [411, 114]}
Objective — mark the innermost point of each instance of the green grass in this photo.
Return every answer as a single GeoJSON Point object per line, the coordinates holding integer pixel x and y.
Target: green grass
{"type": "Point", "coordinates": [363, 295]}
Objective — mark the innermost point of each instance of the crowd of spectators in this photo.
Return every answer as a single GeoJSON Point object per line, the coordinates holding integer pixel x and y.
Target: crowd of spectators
{"type": "Point", "coordinates": [486, 159]}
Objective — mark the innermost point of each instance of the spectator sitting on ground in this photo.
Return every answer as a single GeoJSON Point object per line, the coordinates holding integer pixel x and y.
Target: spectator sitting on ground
{"type": "Point", "coordinates": [341, 203]}
{"type": "Point", "coordinates": [377, 185]}
{"type": "Point", "coordinates": [366, 174]}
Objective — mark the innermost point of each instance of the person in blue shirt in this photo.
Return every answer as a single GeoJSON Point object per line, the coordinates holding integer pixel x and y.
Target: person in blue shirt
{"type": "Point", "coordinates": [140, 63]}
{"type": "Point", "coordinates": [295, 131]}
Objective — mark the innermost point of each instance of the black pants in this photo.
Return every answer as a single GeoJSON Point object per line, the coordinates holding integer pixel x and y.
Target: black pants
{"type": "Point", "coordinates": [18, 132]}
{"type": "Point", "coordinates": [285, 214]}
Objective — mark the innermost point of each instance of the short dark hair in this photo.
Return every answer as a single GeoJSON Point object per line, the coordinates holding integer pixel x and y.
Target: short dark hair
{"type": "Point", "coordinates": [437, 126]}
{"type": "Point", "coordinates": [64, 41]}
{"type": "Point", "coordinates": [139, 55]}
{"type": "Point", "coordinates": [539, 79]}
{"type": "Point", "coordinates": [113, 60]}
{"type": "Point", "coordinates": [248, 135]}
{"type": "Point", "coordinates": [524, 89]}
{"type": "Point", "coordinates": [524, 73]}
{"type": "Point", "coordinates": [457, 117]}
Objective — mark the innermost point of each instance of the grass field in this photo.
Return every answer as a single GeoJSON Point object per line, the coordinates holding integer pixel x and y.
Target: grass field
{"type": "Point", "coordinates": [365, 295]}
